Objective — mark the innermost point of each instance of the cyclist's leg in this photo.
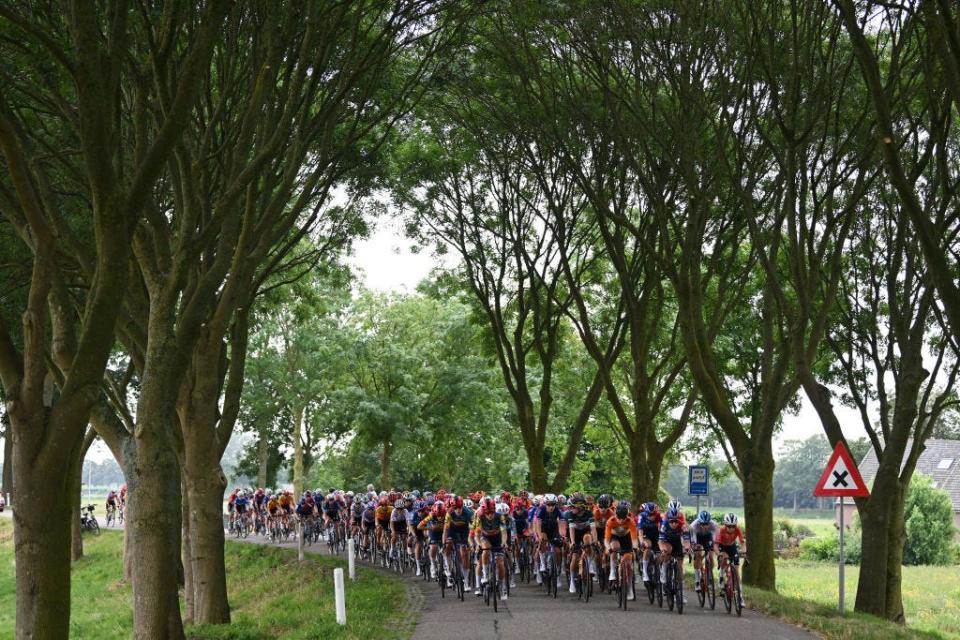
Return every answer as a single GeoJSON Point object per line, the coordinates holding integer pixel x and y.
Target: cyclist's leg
{"type": "Point", "coordinates": [665, 550]}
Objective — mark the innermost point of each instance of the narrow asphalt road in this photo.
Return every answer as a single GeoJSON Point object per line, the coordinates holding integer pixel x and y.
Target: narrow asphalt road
{"type": "Point", "coordinates": [530, 614]}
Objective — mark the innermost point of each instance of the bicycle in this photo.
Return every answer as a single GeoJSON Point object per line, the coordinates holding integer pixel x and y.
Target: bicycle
{"type": "Point", "coordinates": [583, 579]}
{"type": "Point", "coordinates": [458, 577]}
{"type": "Point", "coordinates": [730, 586]}
{"type": "Point", "coordinates": [492, 588]}
{"type": "Point", "coordinates": [674, 585]}
{"type": "Point", "coordinates": [111, 515]}
{"type": "Point", "coordinates": [307, 528]}
{"type": "Point", "coordinates": [524, 559]}
{"type": "Point", "coordinates": [550, 574]}
{"type": "Point", "coordinates": [707, 592]}
{"type": "Point", "coordinates": [88, 521]}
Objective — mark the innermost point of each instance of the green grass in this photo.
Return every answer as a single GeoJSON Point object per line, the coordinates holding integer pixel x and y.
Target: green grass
{"type": "Point", "coordinates": [271, 595]}
{"type": "Point", "coordinates": [931, 595]}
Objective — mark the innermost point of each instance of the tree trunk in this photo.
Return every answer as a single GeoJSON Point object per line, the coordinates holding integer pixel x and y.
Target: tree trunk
{"type": "Point", "coordinates": [880, 534]}
{"type": "Point", "coordinates": [385, 464]}
{"type": "Point", "coordinates": [298, 451]}
{"type": "Point", "coordinates": [42, 544]}
{"type": "Point", "coordinates": [645, 469]}
{"type": "Point", "coordinates": [262, 456]}
{"type": "Point", "coordinates": [205, 487]}
{"type": "Point", "coordinates": [185, 554]}
{"type": "Point", "coordinates": [153, 517]}
{"type": "Point", "coordinates": [76, 473]}
{"type": "Point", "coordinates": [757, 472]}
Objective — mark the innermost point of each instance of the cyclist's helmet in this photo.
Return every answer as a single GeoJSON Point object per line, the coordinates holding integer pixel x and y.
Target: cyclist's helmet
{"type": "Point", "coordinates": [730, 519]}
{"type": "Point", "coordinates": [439, 511]}
{"type": "Point", "coordinates": [524, 494]}
{"type": "Point", "coordinates": [496, 499]}
{"type": "Point", "coordinates": [430, 500]}
{"type": "Point", "coordinates": [505, 496]}
{"type": "Point", "coordinates": [415, 493]}
{"type": "Point", "coordinates": [383, 494]}
{"type": "Point", "coordinates": [489, 506]}
{"type": "Point", "coordinates": [399, 504]}
{"type": "Point", "coordinates": [536, 501]}
{"type": "Point", "coordinates": [623, 508]}
{"type": "Point", "coordinates": [331, 497]}
{"type": "Point", "coordinates": [673, 514]}
{"type": "Point", "coordinates": [307, 494]}
{"type": "Point", "coordinates": [503, 509]}
{"type": "Point", "coordinates": [408, 501]}
{"type": "Point", "coordinates": [550, 499]}
{"type": "Point", "coordinates": [605, 501]}
{"type": "Point", "coordinates": [468, 503]}
{"type": "Point", "coordinates": [562, 499]}
{"type": "Point", "coordinates": [392, 496]}
{"type": "Point", "coordinates": [704, 517]}
{"type": "Point", "coordinates": [674, 504]}
{"type": "Point", "coordinates": [650, 507]}
{"type": "Point", "coordinates": [350, 494]}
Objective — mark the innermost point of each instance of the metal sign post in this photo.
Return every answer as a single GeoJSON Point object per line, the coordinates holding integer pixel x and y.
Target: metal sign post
{"type": "Point", "coordinates": [841, 479]}
{"type": "Point", "coordinates": [840, 502]}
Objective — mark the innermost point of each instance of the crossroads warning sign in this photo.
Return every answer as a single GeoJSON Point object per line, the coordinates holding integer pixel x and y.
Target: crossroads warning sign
{"type": "Point", "coordinates": [841, 478]}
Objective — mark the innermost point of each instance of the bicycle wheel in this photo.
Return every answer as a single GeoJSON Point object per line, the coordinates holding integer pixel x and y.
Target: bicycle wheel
{"type": "Point", "coordinates": [678, 589]}
{"type": "Point", "coordinates": [702, 591]}
{"type": "Point", "coordinates": [726, 589]}
{"type": "Point", "coordinates": [94, 526]}
{"type": "Point", "coordinates": [554, 574]}
{"type": "Point", "coordinates": [737, 594]}
{"type": "Point", "coordinates": [668, 586]}
{"type": "Point", "coordinates": [711, 590]}
{"type": "Point", "coordinates": [495, 586]}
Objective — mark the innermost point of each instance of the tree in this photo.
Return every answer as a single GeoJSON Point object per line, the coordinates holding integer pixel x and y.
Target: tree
{"type": "Point", "coordinates": [798, 469]}
{"type": "Point", "coordinates": [60, 124]}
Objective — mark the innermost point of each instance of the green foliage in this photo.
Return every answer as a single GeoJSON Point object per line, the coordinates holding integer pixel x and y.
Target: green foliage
{"type": "Point", "coordinates": [929, 524]}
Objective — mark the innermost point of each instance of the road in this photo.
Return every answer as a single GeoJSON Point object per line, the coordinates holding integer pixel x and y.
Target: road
{"type": "Point", "coordinates": [532, 615]}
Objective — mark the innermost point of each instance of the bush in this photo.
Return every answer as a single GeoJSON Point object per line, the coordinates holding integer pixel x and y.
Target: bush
{"type": "Point", "coordinates": [827, 548]}
{"type": "Point", "coordinates": [929, 524]}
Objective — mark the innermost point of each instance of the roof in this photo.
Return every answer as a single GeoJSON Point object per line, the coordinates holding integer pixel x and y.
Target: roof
{"type": "Point", "coordinates": [946, 477]}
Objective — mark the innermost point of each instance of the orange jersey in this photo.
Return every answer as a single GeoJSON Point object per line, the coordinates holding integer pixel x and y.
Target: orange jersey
{"type": "Point", "coordinates": [383, 513]}
{"type": "Point", "coordinates": [272, 505]}
{"type": "Point", "coordinates": [621, 528]}
{"type": "Point", "coordinates": [727, 538]}
{"type": "Point", "coordinates": [600, 516]}
{"type": "Point", "coordinates": [286, 501]}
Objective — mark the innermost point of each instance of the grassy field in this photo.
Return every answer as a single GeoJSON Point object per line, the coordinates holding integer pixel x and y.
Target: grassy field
{"type": "Point", "coordinates": [271, 594]}
{"type": "Point", "coordinates": [931, 595]}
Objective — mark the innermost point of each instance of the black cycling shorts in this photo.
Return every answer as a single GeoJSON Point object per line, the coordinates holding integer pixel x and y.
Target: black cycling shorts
{"type": "Point", "coordinates": [626, 543]}
{"type": "Point", "coordinates": [732, 550]}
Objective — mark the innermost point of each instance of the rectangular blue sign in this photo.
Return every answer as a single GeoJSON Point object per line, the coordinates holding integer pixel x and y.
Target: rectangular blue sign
{"type": "Point", "coordinates": [698, 480]}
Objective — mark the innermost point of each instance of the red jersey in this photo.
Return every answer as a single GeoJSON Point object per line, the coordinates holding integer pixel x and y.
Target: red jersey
{"type": "Point", "coordinates": [726, 537]}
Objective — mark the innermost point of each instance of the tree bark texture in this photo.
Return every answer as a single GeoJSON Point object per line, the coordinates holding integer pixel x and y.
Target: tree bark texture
{"type": "Point", "coordinates": [205, 487]}
{"type": "Point", "coordinates": [758, 513]}
{"type": "Point", "coordinates": [153, 517]}
{"type": "Point", "coordinates": [185, 553]}
{"type": "Point", "coordinates": [262, 456]}
{"type": "Point", "coordinates": [76, 472]}
{"type": "Point", "coordinates": [385, 464]}
{"type": "Point", "coordinates": [42, 543]}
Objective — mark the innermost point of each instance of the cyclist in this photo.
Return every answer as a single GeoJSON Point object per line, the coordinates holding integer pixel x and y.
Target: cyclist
{"type": "Point", "coordinates": [306, 507]}
{"type": "Point", "coordinates": [602, 511]}
{"type": "Point", "coordinates": [456, 531]}
{"type": "Point", "coordinates": [368, 522]}
{"type": "Point", "coordinates": [432, 524]}
{"type": "Point", "coordinates": [727, 538]}
{"type": "Point", "coordinates": [649, 523]}
{"type": "Point", "coordinates": [620, 537]}
{"type": "Point", "coordinates": [674, 541]}
{"type": "Point", "coordinates": [398, 524]}
{"type": "Point", "coordinates": [111, 501]}
{"type": "Point", "coordinates": [356, 516]}
{"type": "Point", "coordinates": [417, 514]}
{"type": "Point", "coordinates": [240, 506]}
{"type": "Point", "coordinates": [230, 500]}
{"type": "Point", "coordinates": [286, 507]}
{"type": "Point", "coordinates": [331, 508]}
{"type": "Point", "coordinates": [702, 532]}
{"type": "Point", "coordinates": [503, 510]}
{"type": "Point", "coordinates": [384, 509]}
{"type": "Point", "coordinates": [546, 525]}
{"type": "Point", "coordinates": [492, 530]}
{"type": "Point", "coordinates": [582, 533]}
{"type": "Point", "coordinates": [521, 525]}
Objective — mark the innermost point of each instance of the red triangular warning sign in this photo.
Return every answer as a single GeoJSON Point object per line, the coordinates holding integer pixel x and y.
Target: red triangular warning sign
{"type": "Point", "coordinates": [841, 478]}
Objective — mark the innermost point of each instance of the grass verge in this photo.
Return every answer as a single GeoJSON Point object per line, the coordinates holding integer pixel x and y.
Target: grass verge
{"type": "Point", "coordinates": [826, 621]}
{"type": "Point", "coordinates": [271, 596]}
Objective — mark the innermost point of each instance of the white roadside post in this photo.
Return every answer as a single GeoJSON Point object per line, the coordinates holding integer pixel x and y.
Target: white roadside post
{"type": "Point", "coordinates": [299, 541]}
{"type": "Point", "coordinates": [841, 479]}
{"type": "Point", "coordinates": [352, 568]}
{"type": "Point", "coordinates": [339, 598]}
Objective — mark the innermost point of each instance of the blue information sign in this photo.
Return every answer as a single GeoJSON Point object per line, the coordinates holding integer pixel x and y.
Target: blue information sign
{"type": "Point", "coordinates": [699, 480]}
